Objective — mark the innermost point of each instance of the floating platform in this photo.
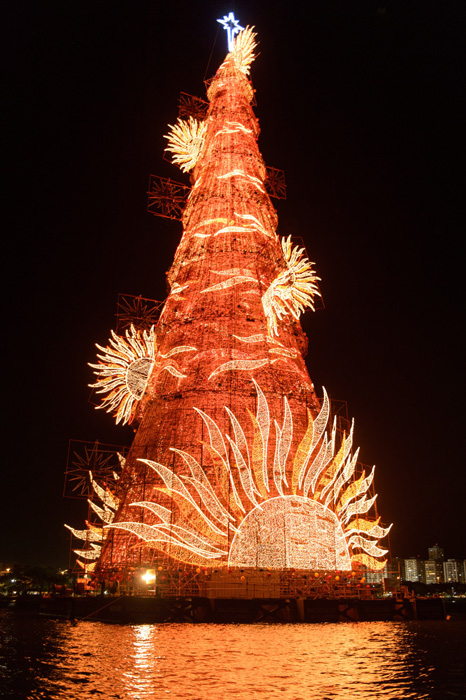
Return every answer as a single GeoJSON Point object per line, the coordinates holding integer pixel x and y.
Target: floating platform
{"type": "Point", "coordinates": [150, 609]}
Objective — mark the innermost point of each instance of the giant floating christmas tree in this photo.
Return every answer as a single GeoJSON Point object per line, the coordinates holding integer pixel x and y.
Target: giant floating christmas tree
{"type": "Point", "coordinates": [235, 461]}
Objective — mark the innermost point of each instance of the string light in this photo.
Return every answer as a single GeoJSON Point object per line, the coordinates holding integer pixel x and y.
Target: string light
{"type": "Point", "coordinates": [255, 224]}
{"type": "Point", "coordinates": [250, 483]}
{"type": "Point", "coordinates": [96, 534]}
{"type": "Point", "coordinates": [185, 141]}
{"type": "Point", "coordinates": [89, 554]}
{"type": "Point", "coordinates": [233, 281]}
{"type": "Point", "coordinates": [243, 50]}
{"type": "Point", "coordinates": [255, 181]}
{"type": "Point", "coordinates": [234, 128]}
{"type": "Point", "coordinates": [177, 289]}
{"type": "Point", "coordinates": [367, 546]}
{"type": "Point", "coordinates": [370, 562]}
{"type": "Point", "coordinates": [230, 226]}
{"type": "Point", "coordinates": [258, 338]}
{"type": "Point", "coordinates": [125, 368]}
{"type": "Point", "coordinates": [241, 365]}
{"type": "Point", "coordinates": [86, 535]}
{"type": "Point", "coordinates": [283, 351]}
{"type": "Point", "coordinates": [123, 371]}
{"type": "Point", "coordinates": [274, 528]}
{"type": "Point", "coordinates": [177, 350]}
{"type": "Point", "coordinates": [293, 532]}
{"type": "Point", "coordinates": [292, 290]}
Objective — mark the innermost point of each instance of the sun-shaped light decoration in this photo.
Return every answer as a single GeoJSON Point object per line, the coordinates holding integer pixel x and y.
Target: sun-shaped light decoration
{"type": "Point", "coordinates": [185, 141]}
{"type": "Point", "coordinates": [256, 511]}
{"type": "Point", "coordinates": [293, 289]}
{"type": "Point", "coordinates": [243, 49]}
{"type": "Point", "coordinates": [124, 370]}
{"type": "Point", "coordinates": [94, 537]}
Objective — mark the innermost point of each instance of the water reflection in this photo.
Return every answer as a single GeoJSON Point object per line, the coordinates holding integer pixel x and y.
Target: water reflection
{"type": "Point", "coordinates": [220, 662]}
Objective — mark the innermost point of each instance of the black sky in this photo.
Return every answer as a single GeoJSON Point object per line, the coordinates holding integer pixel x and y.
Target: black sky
{"type": "Point", "coordinates": [361, 103]}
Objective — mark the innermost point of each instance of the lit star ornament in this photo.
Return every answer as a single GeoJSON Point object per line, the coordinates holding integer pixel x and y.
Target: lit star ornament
{"type": "Point", "coordinates": [232, 27]}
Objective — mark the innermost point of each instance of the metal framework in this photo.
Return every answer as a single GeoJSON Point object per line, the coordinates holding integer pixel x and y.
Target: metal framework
{"type": "Point", "coordinates": [191, 106]}
{"type": "Point", "coordinates": [137, 311]}
{"type": "Point", "coordinates": [166, 197]}
{"type": "Point", "coordinates": [275, 183]}
{"type": "Point", "coordinates": [84, 457]}
{"type": "Point", "coordinates": [173, 581]}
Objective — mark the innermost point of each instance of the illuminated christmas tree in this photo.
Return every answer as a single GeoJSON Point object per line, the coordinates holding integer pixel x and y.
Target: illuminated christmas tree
{"type": "Point", "coordinates": [235, 461]}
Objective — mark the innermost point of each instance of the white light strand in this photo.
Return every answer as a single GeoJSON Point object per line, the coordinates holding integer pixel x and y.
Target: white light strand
{"type": "Point", "coordinates": [175, 485]}
{"type": "Point", "coordinates": [88, 554]}
{"type": "Point", "coordinates": [185, 141]}
{"type": "Point", "coordinates": [107, 498]}
{"type": "Point", "coordinates": [178, 349]}
{"type": "Point", "coordinates": [319, 426]}
{"type": "Point", "coordinates": [232, 282]}
{"type": "Point", "coordinates": [124, 370]}
{"type": "Point", "coordinates": [86, 535]}
{"type": "Point", "coordinates": [241, 365]}
{"type": "Point", "coordinates": [358, 508]}
{"type": "Point", "coordinates": [277, 531]}
{"type": "Point", "coordinates": [292, 290]}
{"type": "Point", "coordinates": [243, 50]}
{"type": "Point", "coordinates": [368, 546]}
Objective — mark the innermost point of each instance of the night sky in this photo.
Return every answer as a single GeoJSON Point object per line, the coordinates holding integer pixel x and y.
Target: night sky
{"type": "Point", "coordinates": [361, 104]}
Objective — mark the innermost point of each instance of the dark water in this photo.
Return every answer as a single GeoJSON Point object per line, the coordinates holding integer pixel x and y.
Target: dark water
{"type": "Point", "coordinates": [42, 658]}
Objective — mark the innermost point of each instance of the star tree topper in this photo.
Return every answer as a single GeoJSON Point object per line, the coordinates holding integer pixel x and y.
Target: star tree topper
{"type": "Point", "coordinates": [232, 26]}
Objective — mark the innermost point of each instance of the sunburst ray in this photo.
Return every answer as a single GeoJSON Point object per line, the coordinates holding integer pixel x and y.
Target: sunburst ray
{"type": "Point", "coordinates": [243, 49]}
{"type": "Point", "coordinates": [185, 141]}
{"type": "Point", "coordinates": [123, 371]}
{"type": "Point", "coordinates": [292, 290]}
{"type": "Point", "coordinates": [95, 536]}
{"type": "Point", "coordinates": [282, 519]}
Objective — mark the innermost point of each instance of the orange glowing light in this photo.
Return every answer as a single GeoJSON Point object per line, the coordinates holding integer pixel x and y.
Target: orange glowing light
{"type": "Point", "coordinates": [235, 461]}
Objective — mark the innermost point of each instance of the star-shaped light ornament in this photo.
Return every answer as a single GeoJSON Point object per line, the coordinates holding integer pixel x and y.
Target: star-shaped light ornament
{"type": "Point", "coordinates": [232, 27]}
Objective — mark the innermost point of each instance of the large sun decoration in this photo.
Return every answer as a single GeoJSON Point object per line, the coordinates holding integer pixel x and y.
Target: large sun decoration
{"type": "Point", "coordinates": [293, 289]}
{"type": "Point", "coordinates": [185, 141]}
{"type": "Point", "coordinates": [124, 370]}
{"type": "Point", "coordinates": [304, 512]}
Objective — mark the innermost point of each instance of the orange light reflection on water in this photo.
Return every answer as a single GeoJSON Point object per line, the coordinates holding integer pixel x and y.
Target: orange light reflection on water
{"type": "Point", "coordinates": [346, 661]}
